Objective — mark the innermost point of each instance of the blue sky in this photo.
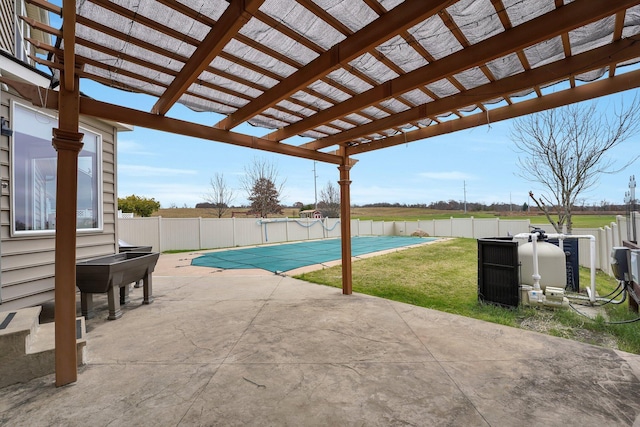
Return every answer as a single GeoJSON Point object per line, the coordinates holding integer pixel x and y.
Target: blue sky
{"type": "Point", "coordinates": [176, 170]}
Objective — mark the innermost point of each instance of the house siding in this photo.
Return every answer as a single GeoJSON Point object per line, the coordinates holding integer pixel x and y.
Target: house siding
{"type": "Point", "coordinates": [6, 26]}
{"type": "Point", "coordinates": [27, 263]}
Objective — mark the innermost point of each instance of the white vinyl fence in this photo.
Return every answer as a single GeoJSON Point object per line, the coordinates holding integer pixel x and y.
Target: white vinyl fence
{"type": "Point", "coordinates": [165, 234]}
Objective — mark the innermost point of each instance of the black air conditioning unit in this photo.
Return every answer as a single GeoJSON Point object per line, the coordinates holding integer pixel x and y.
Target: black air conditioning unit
{"type": "Point", "coordinates": [498, 274]}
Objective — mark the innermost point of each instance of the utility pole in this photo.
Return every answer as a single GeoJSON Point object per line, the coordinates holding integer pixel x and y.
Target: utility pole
{"type": "Point", "coordinates": [464, 183]}
{"type": "Point", "coordinates": [632, 194]}
{"type": "Point", "coordinates": [315, 186]}
{"type": "Point", "coordinates": [627, 203]}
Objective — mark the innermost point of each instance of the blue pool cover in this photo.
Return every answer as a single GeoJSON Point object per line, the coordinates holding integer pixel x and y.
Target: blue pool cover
{"type": "Point", "coordinates": [290, 256]}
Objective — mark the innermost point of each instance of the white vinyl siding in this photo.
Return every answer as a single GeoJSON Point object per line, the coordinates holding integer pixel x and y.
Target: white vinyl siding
{"type": "Point", "coordinates": [27, 265]}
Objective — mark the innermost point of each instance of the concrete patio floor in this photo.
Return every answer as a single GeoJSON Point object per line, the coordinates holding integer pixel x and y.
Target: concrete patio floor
{"type": "Point", "coordinates": [246, 347]}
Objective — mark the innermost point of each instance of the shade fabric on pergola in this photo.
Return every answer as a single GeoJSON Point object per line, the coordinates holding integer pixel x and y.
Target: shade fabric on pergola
{"type": "Point", "coordinates": [323, 79]}
{"type": "Point", "coordinates": [360, 74]}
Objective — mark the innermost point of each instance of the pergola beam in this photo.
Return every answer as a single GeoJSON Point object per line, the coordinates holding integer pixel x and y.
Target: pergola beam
{"type": "Point", "coordinates": [103, 110]}
{"type": "Point", "coordinates": [234, 17]}
{"type": "Point", "coordinates": [401, 17]}
{"type": "Point", "coordinates": [549, 25]}
{"type": "Point", "coordinates": [601, 57]}
{"type": "Point", "coordinates": [116, 113]}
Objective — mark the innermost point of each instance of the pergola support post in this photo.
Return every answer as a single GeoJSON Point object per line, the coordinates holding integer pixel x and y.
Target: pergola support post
{"type": "Point", "coordinates": [68, 142]}
{"type": "Point", "coordinates": [345, 225]}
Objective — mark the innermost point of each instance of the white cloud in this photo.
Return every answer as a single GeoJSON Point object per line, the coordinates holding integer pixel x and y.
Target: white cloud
{"type": "Point", "coordinates": [144, 170]}
{"type": "Point", "coordinates": [130, 146]}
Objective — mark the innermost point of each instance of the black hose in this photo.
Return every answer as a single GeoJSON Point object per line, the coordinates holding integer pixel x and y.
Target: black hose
{"type": "Point", "coordinates": [621, 322]}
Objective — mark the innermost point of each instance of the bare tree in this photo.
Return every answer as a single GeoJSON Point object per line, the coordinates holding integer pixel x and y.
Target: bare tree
{"type": "Point", "coordinates": [565, 149]}
{"type": "Point", "coordinates": [330, 201]}
{"type": "Point", "coordinates": [220, 196]}
{"type": "Point", "coordinates": [260, 181]}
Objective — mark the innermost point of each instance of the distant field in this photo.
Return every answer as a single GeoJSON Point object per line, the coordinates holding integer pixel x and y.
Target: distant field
{"type": "Point", "coordinates": [395, 214]}
{"type": "Point", "coordinates": [413, 214]}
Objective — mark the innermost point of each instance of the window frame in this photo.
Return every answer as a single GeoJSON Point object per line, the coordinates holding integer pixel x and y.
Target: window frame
{"type": "Point", "coordinates": [96, 178]}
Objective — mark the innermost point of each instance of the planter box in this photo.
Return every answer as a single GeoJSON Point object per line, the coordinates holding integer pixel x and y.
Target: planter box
{"type": "Point", "coordinates": [111, 275]}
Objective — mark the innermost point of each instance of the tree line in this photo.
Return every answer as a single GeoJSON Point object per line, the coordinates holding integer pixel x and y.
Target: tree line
{"type": "Point", "coordinates": [457, 205]}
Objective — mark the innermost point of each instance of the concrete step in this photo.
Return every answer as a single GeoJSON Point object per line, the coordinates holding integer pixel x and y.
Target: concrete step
{"type": "Point", "coordinates": [16, 328]}
{"type": "Point", "coordinates": [44, 338]}
{"type": "Point", "coordinates": [27, 348]}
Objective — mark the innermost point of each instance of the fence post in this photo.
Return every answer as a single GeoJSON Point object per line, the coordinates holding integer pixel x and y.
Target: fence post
{"type": "Point", "coordinates": [615, 235]}
{"type": "Point", "coordinates": [473, 227]}
{"type": "Point", "coordinates": [159, 234]}
{"type": "Point", "coordinates": [286, 229]}
{"type": "Point", "coordinates": [607, 249]}
{"type": "Point", "coordinates": [604, 252]}
{"type": "Point", "coordinates": [199, 232]}
{"type": "Point", "coordinates": [621, 227]}
{"type": "Point", "coordinates": [233, 231]}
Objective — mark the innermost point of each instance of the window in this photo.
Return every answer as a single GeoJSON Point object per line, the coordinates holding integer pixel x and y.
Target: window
{"type": "Point", "coordinates": [22, 31]}
{"type": "Point", "coordinates": [34, 175]}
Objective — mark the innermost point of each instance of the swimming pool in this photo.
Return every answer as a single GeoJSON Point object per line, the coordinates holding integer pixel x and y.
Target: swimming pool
{"type": "Point", "coordinates": [285, 257]}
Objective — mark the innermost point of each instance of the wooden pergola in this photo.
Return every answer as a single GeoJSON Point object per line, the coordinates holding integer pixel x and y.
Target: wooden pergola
{"type": "Point", "coordinates": [348, 76]}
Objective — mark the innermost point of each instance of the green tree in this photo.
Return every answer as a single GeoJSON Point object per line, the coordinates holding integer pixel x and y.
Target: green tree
{"type": "Point", "coordinates": [140, 206]}
{"type": "Point", "coordinates": [264, 198]}
{"type": "Point", "coordinates": [263, 191]}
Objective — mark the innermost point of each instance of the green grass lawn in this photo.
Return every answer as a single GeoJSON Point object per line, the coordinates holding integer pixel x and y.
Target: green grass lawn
{"type": "Point", "coordinates": [579, 221]}
{"type": "Point", "coordinates": [443, 276]}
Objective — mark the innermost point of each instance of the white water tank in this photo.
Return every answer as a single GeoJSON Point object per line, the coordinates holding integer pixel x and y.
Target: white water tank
{"type": "Point", "coordinates": [552, 265]}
